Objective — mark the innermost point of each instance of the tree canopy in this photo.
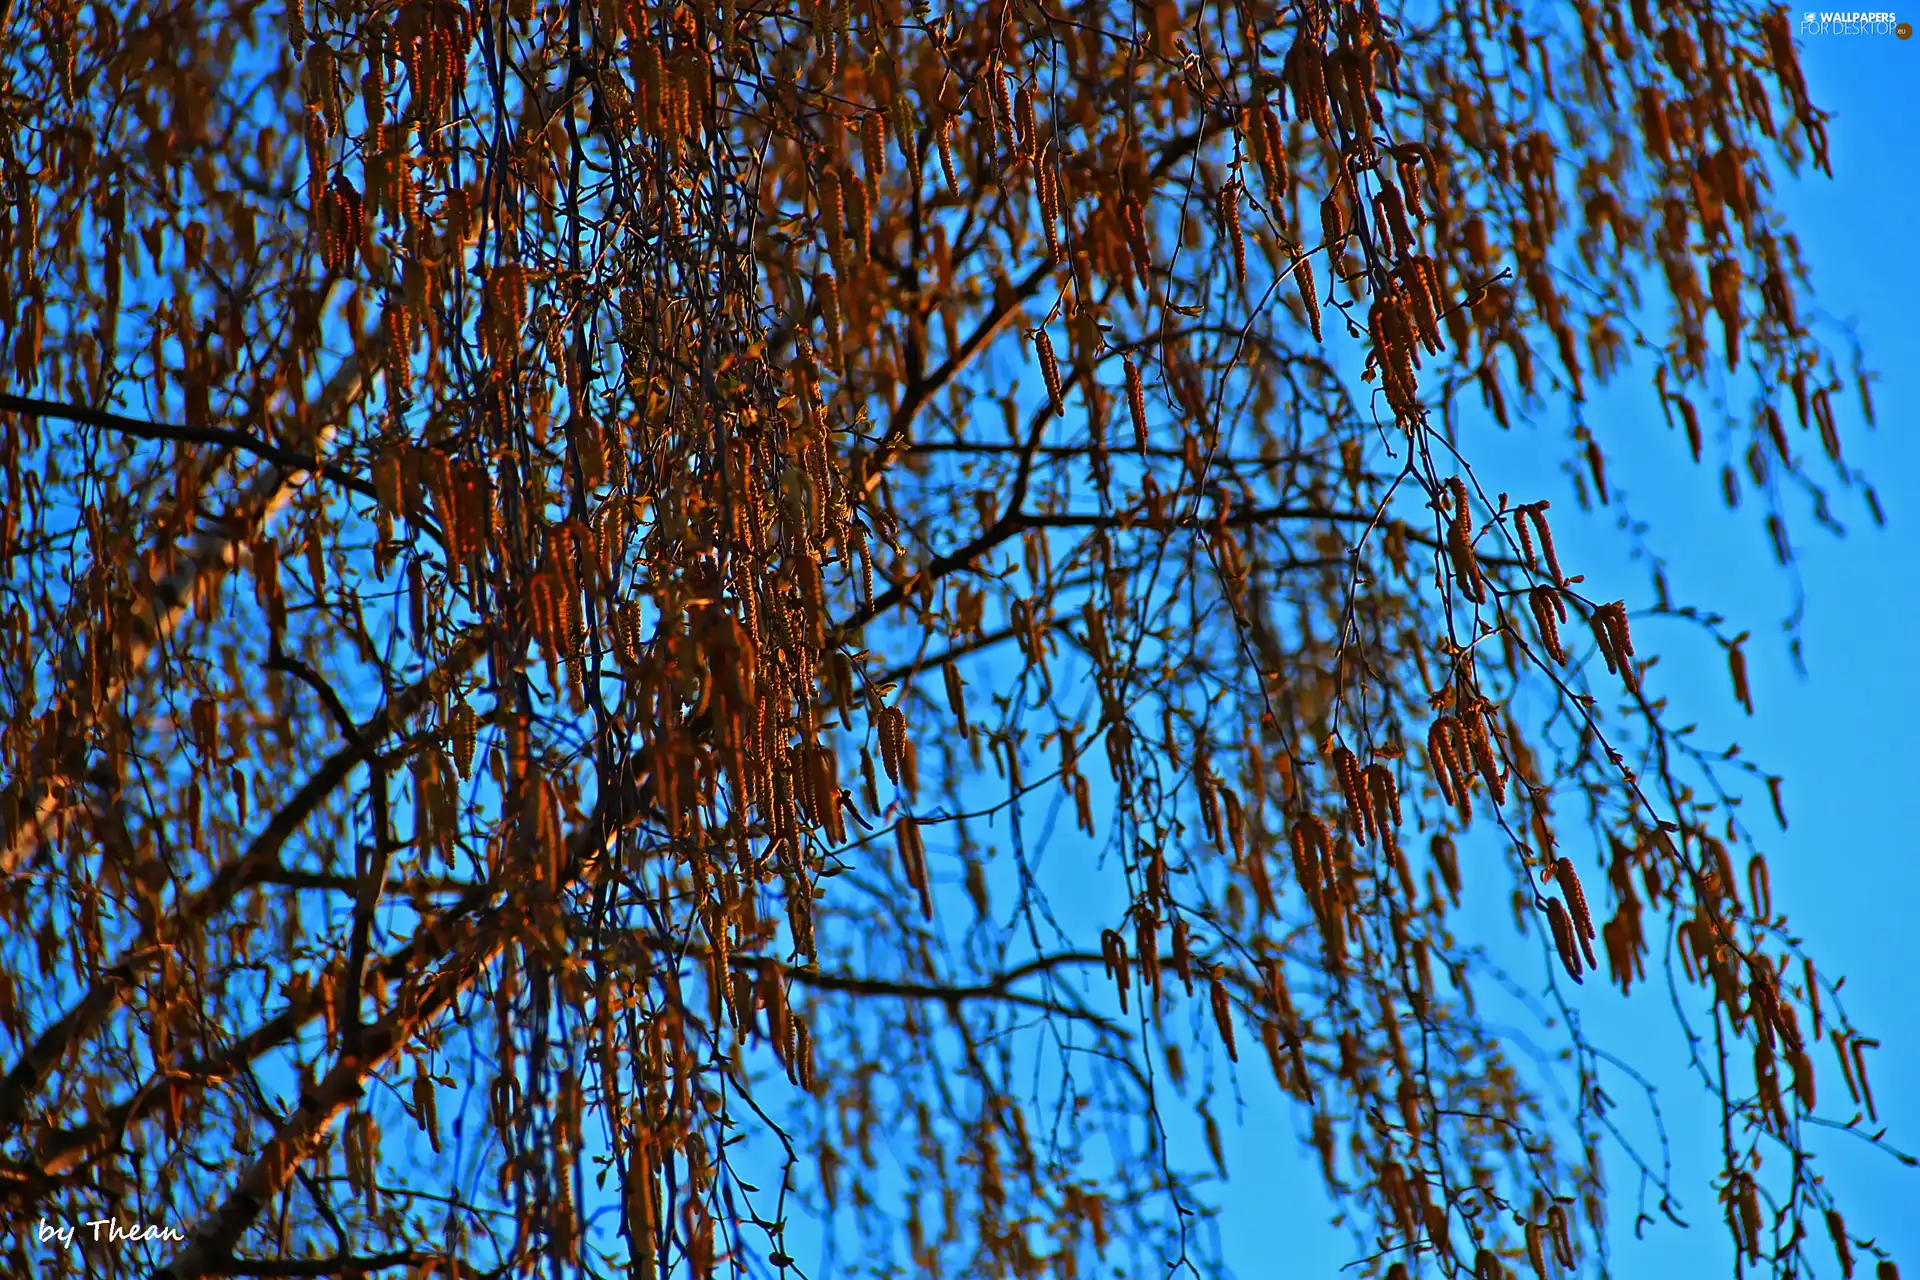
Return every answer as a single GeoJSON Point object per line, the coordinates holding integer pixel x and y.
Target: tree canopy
{"type": "Point", "coordinates": [715, 638]}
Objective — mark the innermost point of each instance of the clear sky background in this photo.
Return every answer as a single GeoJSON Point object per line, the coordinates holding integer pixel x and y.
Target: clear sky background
{"type": "Point", "coordinates": [1846, 872]}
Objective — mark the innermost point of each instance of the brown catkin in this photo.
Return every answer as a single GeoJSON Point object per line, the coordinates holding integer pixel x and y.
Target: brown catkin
{"type": "Point", "coordinates": [1460, 508]}
{"type": "Point", "coordinates": [1182, 954]}
{"type": "Point", "coordinates": [1273, 156]}
{"type": "Point", "coordinates": [1562, 1236]}
{"type": "Point", "coordinates": [1050, 370]}
{"type": "Point", "coordinates": [465, 729]}
{"type": "Point", "coordinates": [1576, 896]}
{"type": "Point", "coordinates": [913, 862]}
{"type": "Point", "coordinates": [1223, 1016]}
{"type": "Point", "coordinates": [1480, 741]}
{"type": "Point", "coordinates": [1147, 944]}
{"type": "Point", "coordinates": [956, 697]}
{"type": "Point", "coordinates": [1133, 219]}
{"type": "Point", "coordinates": [1050, 213]}
{"type": "Point", "coordinates": [1440, 757]}
{"type": "Point", "coordinates": [1384, 798]}
{"type": "Point", "coordinates": [1333, 224]}
{"type": "Point", "coordinates": [1466, 565]}
{"type": "Point", "coordinates": [1860, 1046]}
{"type": "Point", "coordinates": [1617, 623]}
{"type": "Point", "coordinates": [1549, 611]}
{"type": "Point", "coordinates": [1002, 101]}
{"type": "Point", "coordinates": [906, 135]}
{"type": "Point", "coordinates": [398, 324]}
{"type": "Point", "coordinates": [833, 215]}
{"type": "Point", "coordinates": [1737, 667]}
{"type": "Point", "coordinates": [873, 151]}
{"type": "Point", "coordinates": [1447, 859]}
{"type": "Point", "coordinates": [861, 218]}
{"type": "Point", "coordinates": [1603, 637]}
{"type": "Point", "coordinates": [1309, 299]}
{"type": "Point", "coordinates": [1837, 1229]}
{"type": "Point", "coordinates": [1563, 940]}
{"type": "Point", "coordinates": [1428, 296]}
{"type": "Point", "coordinates": [1311, 81]}
{"type": "Point", "coordinates": [803, 1052]}
{"type": "Point", "coordinates": [1359, 813]}
{"type": "Point", "coordinates": [1409, 160]}
{"type": "Point", "coordinates": [1746, 1203]}
{"type": "Point", "coordinates": [1393, 212]}
{"type": "Point", "coordinates": [1113, 956]}
{"type": "Point", "coordinates": [1310, 846]}
{"type": "Point", "coordinates": [1136, 403]}
{"type": "Point", "coordinates": [826, 292]}
{"type": "Point", "coordinates": [1609, 623]}
{"type": "Point", "coordinates": [1536, 1252]}
{"type": "Point", "coordinates": [1537, 511]}
{"type": "Point", "coordinates": [866, 568]}
{"type": "Point", "coordinates": [944, 134]}
{"type": "Point", "coordinates": [1230, 221]}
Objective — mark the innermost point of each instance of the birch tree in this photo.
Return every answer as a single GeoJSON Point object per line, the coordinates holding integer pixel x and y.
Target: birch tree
{"type": "Point", "coordinates": [714, 638]}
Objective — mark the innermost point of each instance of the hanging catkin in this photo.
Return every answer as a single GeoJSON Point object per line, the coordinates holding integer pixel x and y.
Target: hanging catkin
{"type": "Point", "coordinates": [1050, 370]}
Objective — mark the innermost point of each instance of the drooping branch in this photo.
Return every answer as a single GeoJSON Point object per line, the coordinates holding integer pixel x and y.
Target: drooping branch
{"type": "Point", "coordinates": [31, 806]}
{"type": "Point", "coordinates": [995, 987]}
{"type": "Point", "coordinates": [64, 1150]}
{"type": "Point", "coordinates": [425, 952]}
{"type": "Point", "coordinates": [921, 390]}
{"type": "Point", "coordinates": [998, 987]}
{"type": "Point", "coordinates": [289, 460]}
{"type": "Point", "coordinates": [455, 949]}
{"type": "Point", "coordinates": [711, 519]}
{"type": "Point", "coordinates": [1011, 525]}
{"type": "Point", "coordinates": [212, 1243]}
{"type": "Point", "coordinates": [118, 981]}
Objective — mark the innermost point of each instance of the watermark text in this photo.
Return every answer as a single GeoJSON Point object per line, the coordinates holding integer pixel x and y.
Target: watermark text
{"type": "Point", "coordinates": [1850, 22]}
{"type": "Point", "coordinates": [106, 1231]}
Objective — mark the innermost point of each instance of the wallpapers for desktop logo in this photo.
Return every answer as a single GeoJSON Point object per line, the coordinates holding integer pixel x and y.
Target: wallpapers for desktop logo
{"type": "Point", "coordinates": [1853, 23]}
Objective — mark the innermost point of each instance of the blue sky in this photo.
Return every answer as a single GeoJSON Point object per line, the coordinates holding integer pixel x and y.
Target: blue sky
{"type": "Point", "coordinates": [1845, 870]}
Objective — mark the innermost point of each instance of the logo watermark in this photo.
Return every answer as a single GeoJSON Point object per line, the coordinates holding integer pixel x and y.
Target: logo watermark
{"type": "Point", "coordinates": [107, 1231]}
{"type": "Point", "coordinates": [1832, 22]}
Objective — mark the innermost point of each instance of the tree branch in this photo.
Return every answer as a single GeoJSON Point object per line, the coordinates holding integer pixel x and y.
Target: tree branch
{"type": "Point", "coordinates": [212, 1242]}
{"type": "Point", "coordinates": [997, 987]}
{"type": "Point", "coordinates": [220, 437]}
{"type": "Point", "coordinates": [279, 660]}
{"type": "Point", "coordinates": [64, 1150]}
{"type": "Point", "coordinates": [61, 1151]}
{"type": "Point", "coordinates": [1011, 525]}
{"type": "Point", "coordinates": [262, 857]}
{"type": "Point", "coordinates": [28, 805]}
